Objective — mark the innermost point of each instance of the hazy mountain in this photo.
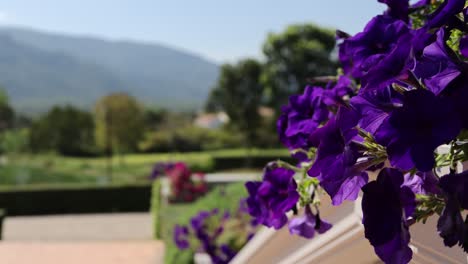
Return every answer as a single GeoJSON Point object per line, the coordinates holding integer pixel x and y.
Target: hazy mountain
{"type": "Point", "coordinates": [41, 69]}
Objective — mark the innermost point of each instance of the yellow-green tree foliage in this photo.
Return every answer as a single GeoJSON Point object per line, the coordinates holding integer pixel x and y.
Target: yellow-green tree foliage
{"type": "Point", "coordinates": [119, 123]}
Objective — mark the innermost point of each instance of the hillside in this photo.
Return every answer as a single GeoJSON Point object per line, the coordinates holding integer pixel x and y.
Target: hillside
{"type": "Point", "coordinates": [41, 69]}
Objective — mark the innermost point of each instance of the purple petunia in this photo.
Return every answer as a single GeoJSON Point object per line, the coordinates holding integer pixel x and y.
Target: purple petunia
{"type": "Point", "coordinates": [303, 114]}
{"type": "Point", "coordinates": [464, 46]}
{"type": "Point", "coordinates": [336, 163]}
{"type": "Point", "coordinates": [306, 225]}
{"type": "Point", "coordinates": [422, 183]}
{"type": "Point", "coordinates": [271, 199]}
{"type": "Point", "coordinates": [412, 132]}
{"type": "Point", "coordinates": [398, 9]}
{"type": "Point", "coordinates": [386, 204]}
{"type": "Point", "coordinates": [374, 107]}
{"type": "Point", "coordinates": [444, 13]}
{"type": "Point", "coordinates": [435, 67]}
{"type": "Point", "coordinates": [158, 170]}
{"type": "Point", "coordinates": [451, 226]}
{"type": "Point", "coordinates": [181, 237]}
{"type": "Point", "coordinates": [335, 93]}
{"type": "Point", "coordinates": [378, 55]}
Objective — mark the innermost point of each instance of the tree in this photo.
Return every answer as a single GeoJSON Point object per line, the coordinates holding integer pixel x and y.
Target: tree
{"type": "Point", "coordinates": [154, 119]}
{"type": "Point", "coordinates": [67, 130]}
{"type": "Point", "coordinates": [7, 114]}
{"type": "Point", "coordinates": [119, 123]}
{"type": "Point", "coordinates": [239, 93]}
{"type": "Point", "coordinates": [294, 56]}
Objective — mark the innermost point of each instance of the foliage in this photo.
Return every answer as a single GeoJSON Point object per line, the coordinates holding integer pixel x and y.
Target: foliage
{"type": "Point", "coordinates": [67, 130]}
{"type": "Point", "coordinates": [119, 123]}
{"type": "Point", "coordinates": [44, 169]}
{"type": "Point", "coordinates": [14, 141]}
{"type": "Point", "coordinates": [293, 56]}
{"type": "Point", "coordinates": [238, 92]}
{"type": "Point", "coordinates": [187, 139]}
{"type": "Point", "coordinates": [7, 113]}
{"type": "Point", "coordinates": [155, 119]}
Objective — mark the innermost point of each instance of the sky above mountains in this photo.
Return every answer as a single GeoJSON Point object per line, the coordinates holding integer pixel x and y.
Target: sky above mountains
{"type": "Point", "coordinates": [218, 30]}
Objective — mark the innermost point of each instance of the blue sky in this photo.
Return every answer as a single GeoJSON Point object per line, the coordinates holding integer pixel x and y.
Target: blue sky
{"type": "Point", "coordinates": [219, 30]}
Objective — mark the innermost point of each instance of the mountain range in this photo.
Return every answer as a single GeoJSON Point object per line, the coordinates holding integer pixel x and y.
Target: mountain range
{"type": "Point", "coordinates": [39, 70]}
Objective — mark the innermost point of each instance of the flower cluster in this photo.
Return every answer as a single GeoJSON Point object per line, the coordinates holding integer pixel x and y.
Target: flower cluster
{"type": "Point", "coordinates": [185, 185]}
{"type": "Point", "coordinates": [216, 233]}
{"type": "Point", "coordinates": [401, 95]}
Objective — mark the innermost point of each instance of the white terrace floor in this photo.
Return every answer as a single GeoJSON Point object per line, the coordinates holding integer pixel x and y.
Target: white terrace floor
{"type": "Point", "coordinates": [98, 238]}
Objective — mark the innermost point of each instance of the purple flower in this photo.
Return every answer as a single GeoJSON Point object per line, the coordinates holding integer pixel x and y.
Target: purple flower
{"type": "Point", "coordinates": [450, 225]}
{"type": "Point", "coordinates": [198, 220]}
{"type": "Point", "coordinates": [412, 132]}
{"type": "Point", "coordinates": [456, 185]}
{"type": "Point", "coordinates": [206, 239]}
{"type": "Point", "coordinates": [308, 224]}
{"type": "Point", "coordinates": [243, 207]}
{"type": "Point", "coordinates": [386, 205]}
{"type": "Point", "coordinates": [300, 117]}
{"type": "Point", "coordinates": [457, 92]}
{"type": "Point", "coordinates": [158, 170]}
{"type": "Point", "coordinates": [398, 9]}
{"type": "Point", "coordinates": [444, 13]}
{"type": "Point", "coordinates": [181, 237]}
{"type": "Point", "coordinates": [228, 252]}
{"type": "Point", "coordinates": [422, 183]}
{"type": "Point", "coordinates": [336, 163]}
{"type": "Point", "coordinates": [333, 96]}
{"type": "Point", "coordinates": [464, 46]}
{"type": "Point", "coordinates": [420, 4]}
{"type": "Point", "coordinates": [379, 54]}
{"type": "Point", "coordinates": [435, 67]}
{"type": "Point", "coordinates": [374, 107]}
{"type": "Point", "coordinates": [269, 200]}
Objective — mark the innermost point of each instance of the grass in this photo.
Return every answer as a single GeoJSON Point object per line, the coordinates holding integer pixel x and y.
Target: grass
{"type": "Point", "coordinates": [132, 168]}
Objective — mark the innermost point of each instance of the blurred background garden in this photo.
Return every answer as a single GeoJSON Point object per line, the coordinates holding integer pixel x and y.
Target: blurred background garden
{"type": "Point", "coordinates": [95, 96]}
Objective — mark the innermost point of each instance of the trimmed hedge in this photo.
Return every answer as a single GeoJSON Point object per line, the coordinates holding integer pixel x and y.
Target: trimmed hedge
{"type": "Point", "coordinates": [254, 162]}
{"type": "Point", "coordinates": [156, 207]}
{"type": "Point", "coordinates": [76, 200]}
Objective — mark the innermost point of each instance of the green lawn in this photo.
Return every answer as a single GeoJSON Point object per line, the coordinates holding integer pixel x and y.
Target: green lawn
{"type": "Point", "coordinates": [132, 168]}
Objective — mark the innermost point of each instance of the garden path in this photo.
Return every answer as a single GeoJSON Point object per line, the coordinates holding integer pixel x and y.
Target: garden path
{"type": "Point", "coordinates": [123, 238]}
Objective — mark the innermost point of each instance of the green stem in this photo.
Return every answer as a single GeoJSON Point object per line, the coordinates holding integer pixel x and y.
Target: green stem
{"type": "Point", "coordinates": [286, 165]}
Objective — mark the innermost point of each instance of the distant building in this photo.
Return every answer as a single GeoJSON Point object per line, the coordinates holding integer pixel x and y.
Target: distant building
{"type": "Point", "coordinates": [211, 120]}
{"type": "Point", "coordinates": [266, 112]}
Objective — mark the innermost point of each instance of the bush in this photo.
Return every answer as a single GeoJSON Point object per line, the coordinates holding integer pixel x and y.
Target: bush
{"type": "Point", "coordinates": [66, 130]}
{"type": "Point", "coordinates": [14, 141]}
{"type": "Point", "coordinates": [189, 139]}
{"type": "Point", "coordinates": [254, 162]}
{"type": "Point", "coordinates": [68, 199]}
{"type": "Point", "coordinates": [156, 207]}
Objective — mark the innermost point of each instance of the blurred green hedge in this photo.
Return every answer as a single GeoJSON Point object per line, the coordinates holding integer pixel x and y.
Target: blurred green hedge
{"type": "Point", "coordinates": [67, 199]}
{"type": "Point", "coordinates": [189, 138]}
